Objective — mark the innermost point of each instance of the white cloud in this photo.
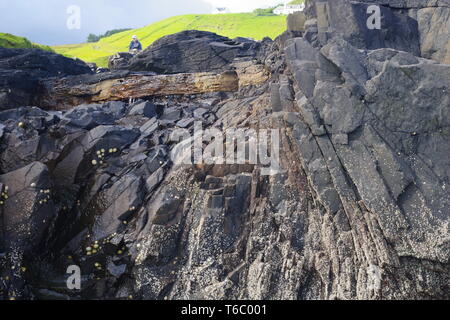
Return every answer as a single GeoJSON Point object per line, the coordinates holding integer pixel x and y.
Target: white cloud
{"type": "Point", "coordinates": [244, 5]}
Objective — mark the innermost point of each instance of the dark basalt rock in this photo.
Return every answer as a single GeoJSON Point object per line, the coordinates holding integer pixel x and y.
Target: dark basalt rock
{"type": "Point", "coordinates": [144, 108]}
{"type": "Point", "coordinates": [21, 70]}
{"type": "Point", "coordinates": [90, 116]}
{"type": "Point", "coordinates": [27, 210]}
{"type": "Point", "coordinates": [191, 51]}
{"type": "Point", "coordinates": [26, 213]}
{"type": "Point", "coordinates": [45, 63]}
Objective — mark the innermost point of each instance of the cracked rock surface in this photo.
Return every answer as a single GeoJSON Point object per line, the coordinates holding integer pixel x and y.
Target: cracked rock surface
{"type": "Point", "coordinates": [358, 210]}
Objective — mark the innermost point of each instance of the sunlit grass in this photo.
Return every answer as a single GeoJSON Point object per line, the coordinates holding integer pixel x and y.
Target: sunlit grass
{"type": "Point", "coordinates": [11, 41]}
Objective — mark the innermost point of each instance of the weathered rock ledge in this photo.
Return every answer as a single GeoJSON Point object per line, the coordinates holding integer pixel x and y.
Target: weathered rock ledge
{"type": "Point", "coordinates": [60, 94]}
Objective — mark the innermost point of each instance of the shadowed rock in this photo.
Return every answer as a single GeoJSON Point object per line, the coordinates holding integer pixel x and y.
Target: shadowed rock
{"type": "Point", "coordinates": [21, 69]}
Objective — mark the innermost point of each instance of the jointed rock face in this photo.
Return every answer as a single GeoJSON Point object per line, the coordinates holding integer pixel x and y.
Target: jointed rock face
{"type": "Point", "coordinates": [358, 210]}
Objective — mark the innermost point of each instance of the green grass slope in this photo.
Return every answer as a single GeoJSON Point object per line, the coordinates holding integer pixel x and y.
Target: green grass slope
{"type": "Point", "coordinates": [11, 41]}
{"type": "Point", "coordinates": [229, 25]}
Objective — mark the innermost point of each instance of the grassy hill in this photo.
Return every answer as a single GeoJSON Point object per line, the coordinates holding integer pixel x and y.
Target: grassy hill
{"type": "Point", "coordinates": [229, 25]}
{"type": "Point", "coordinates": [10, 41]}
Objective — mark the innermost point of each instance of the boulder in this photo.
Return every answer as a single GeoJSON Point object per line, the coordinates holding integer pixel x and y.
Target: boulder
{"type": "Point", "coordinates": [119, 60]}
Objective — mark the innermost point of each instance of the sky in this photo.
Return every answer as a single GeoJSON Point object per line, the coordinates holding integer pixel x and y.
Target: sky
{"type": "Point", "coordinates": [55, 22]}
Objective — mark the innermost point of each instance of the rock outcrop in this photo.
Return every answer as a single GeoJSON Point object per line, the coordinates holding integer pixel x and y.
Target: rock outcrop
{"type": "Point", "coordinates": [21, 70]}
{"type": "Point", "coordinates": [419, 27]}
{"type": "Point", "coordinates": [191, 51]}
{"type": "Point", "coordinates": [355, 207]}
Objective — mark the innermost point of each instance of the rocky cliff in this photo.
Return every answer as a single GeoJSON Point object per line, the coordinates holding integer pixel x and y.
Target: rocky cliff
{"type": "Point", "coordinates": [356, 207]}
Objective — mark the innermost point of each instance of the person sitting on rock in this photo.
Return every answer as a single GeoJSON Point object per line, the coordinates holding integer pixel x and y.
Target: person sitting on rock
{"type": "Point", "coordinates": [135, 45]}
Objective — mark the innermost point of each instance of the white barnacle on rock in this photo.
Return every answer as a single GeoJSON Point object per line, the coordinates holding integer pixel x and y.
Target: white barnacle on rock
{"type": "Point", "coordinates": [374, 278]}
